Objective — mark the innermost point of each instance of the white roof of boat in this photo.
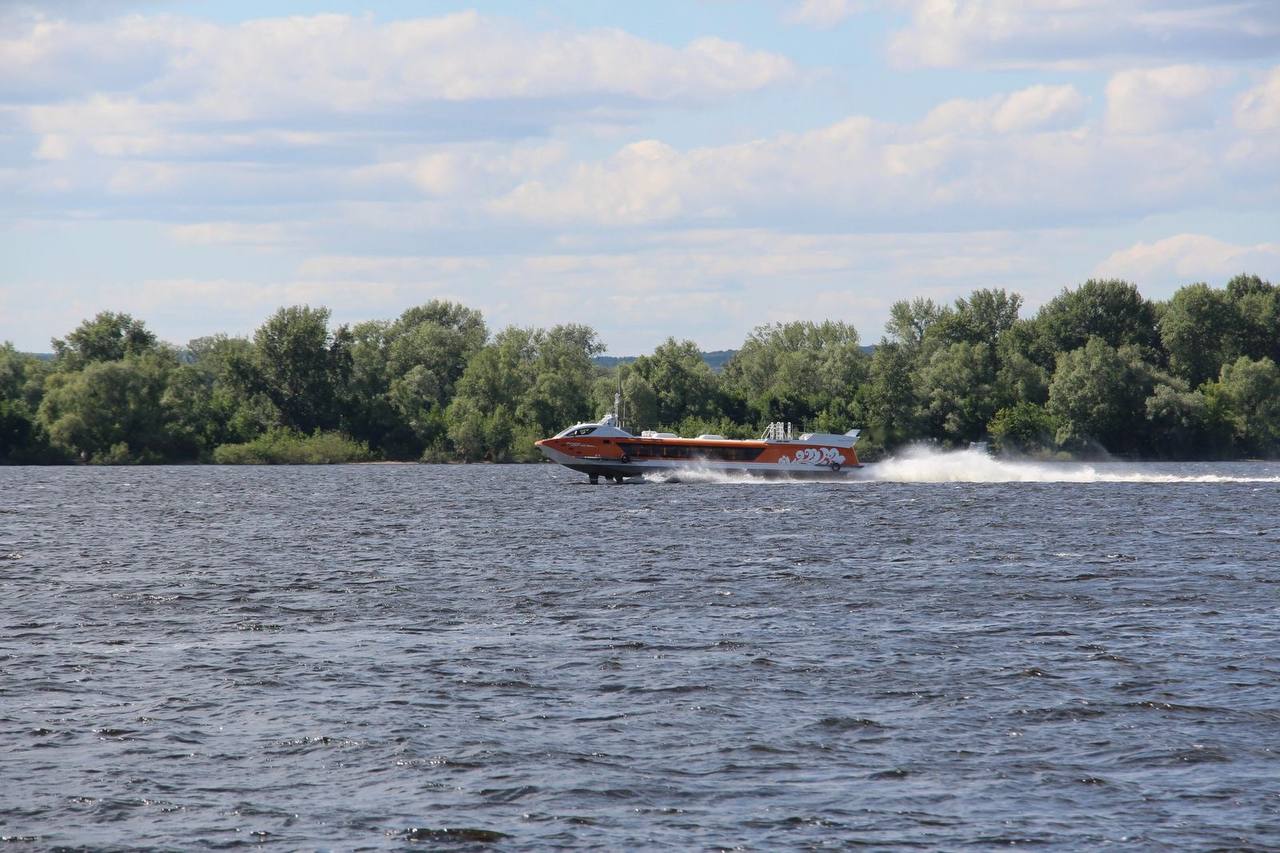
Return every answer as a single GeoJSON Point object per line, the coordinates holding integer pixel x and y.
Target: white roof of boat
{"type": "Point", "coordinates": [604, 429]}
{"type": "Point", "coordinates": [849, 439]}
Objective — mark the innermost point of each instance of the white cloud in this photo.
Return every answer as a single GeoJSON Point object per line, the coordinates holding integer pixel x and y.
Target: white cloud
{"type": "Point", "coordinates": [1084, 33]}
{"type": "Point", "coordinates": [48, 58]}
{"type": "Point", "coordinates": [175, 307]}
{"type": "Point", "coordinates": [160, 106]}
{"type": "Point", "coordinates": [1153, 100]}
{"type": "Point", "coordinates": [54, 146]}
{"type": "Point", "coordinates": [823, 14]}
{"type": "Point", "coordinates": [711, 285]}
{"type": "Point", "coordinates": [479, 169]}
{"type": "Point", "coordinates": [142, 178]}
{"type": "Point", "coordinates": [1029, 157]}
{"type": "Point", "coordinates": [264, 234]}
{"type": "Point", "coordinates": [714, 285]}
{"type": "Point", "coordinates": [1032, 109]}
{"type": "Point", "coordinates": [1038, 108]}
{"type": "Point", "coordinates": [1187, 258]}
{"type": "Point", "coordinates": [340, 64]}
{"type": "Point", "coordinates": [1259, 108]}
{"type": "Point", "coordinates": [400, 268]}
{"type": "Point", "coordinates": [994, 162]}
{"type": "Point", "coordinates": [641, 183]}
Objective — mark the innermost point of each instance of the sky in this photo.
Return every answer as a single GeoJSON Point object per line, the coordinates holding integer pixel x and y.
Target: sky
{"type": "Point", "coordinates": [690, 169]}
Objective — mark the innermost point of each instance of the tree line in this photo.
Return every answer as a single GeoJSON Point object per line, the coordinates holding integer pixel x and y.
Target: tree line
{"type": "Point", "coordinates": [1099, 368]}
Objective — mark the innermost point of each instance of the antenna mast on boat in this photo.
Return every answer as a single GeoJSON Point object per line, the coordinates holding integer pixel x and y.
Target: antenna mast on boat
{"type": "Point", "coordinates": [617, 401]}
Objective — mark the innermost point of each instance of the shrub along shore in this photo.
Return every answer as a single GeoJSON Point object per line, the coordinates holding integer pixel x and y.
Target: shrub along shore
{"type": "Point", "coordinates": [1098, 369]}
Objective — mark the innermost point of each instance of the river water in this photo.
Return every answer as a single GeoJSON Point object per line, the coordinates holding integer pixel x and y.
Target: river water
{"type": "Point", "coordinates": [949, 652]}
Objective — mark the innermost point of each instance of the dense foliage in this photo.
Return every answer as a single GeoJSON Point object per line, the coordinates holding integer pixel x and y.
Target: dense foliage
{"type": "Point", "coordinates": [1099, 368]}
{"type": "Point", "coordinates": [282, 446]}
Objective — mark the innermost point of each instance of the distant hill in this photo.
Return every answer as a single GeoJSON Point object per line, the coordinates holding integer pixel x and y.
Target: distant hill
{"type": "Point", "coordinates": [718, 358]}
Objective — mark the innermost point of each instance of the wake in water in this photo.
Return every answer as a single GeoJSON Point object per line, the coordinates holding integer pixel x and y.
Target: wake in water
{"type": "Point", "coordinates": [924, 464]}
{"type": "Point", "coordinates": [921, 464]}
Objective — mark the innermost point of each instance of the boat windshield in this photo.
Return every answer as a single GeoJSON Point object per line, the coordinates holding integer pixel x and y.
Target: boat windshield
{"type": "Point", "coordinates": [578, 430]}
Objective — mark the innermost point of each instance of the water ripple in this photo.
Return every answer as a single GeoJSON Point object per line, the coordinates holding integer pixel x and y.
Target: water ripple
{"type": "Point", "coordinates": [377, 657]}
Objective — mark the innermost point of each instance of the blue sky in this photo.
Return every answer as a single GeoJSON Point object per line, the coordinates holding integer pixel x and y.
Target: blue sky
{"type": "Point", "coordinates": [687, 169]}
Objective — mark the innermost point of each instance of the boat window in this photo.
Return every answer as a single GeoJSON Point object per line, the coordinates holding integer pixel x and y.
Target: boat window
{"type": "Point", "coordinates": [587, 430]}
{"type": "Point", "coordinates": [655, 450]}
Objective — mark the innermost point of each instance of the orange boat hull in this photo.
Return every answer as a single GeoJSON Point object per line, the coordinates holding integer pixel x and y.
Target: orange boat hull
{"type": "Point", "coordinates": [632, 456]}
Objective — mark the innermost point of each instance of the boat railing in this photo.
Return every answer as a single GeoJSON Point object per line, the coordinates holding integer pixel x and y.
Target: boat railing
{"type": "Point", "coordinates": [778, 431]}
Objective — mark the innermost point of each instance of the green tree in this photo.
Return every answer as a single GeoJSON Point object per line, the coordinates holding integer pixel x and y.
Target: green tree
{"type": "Point", "coordinates": [368, 412]}
{"type": "Point", "coordinates": [22, 376]}
{"type": "Point", "coordinates": [639, 400]}
{"type": "Point", "coordinates": [438, 337]}
{"type": "Point", "coordinates": [1019, 378]}
{"type": "Point", "coordinates": [960, 381]}
{"type": "Point", "coordinates": [562, 372]}
{"type": "Point", "coordinates": [1182, 423]}
{"type": "Point", "coordinates": [984, 317]}
{"type": "Point", "coordinates": [428, 348]}
{"type": "Point", "coordinates": [111, 411]}
{"type": "Point", "coordinates": [1248, 396]}
{"type": "Point", "coordinates": [210, 401]}
{"type": "Point", "coordinates": [107, 337]}
{"type": "Point", "coordinates": [910, 321]}
{"type": "Point", "coordinates": [193, 409]}
{"type": "Point", "coordinates": [956, 393]}
{"type": "Point", "coordinates": [1112, 311]}
{"type": "Point", "coordinates": [13, 372]}
{"type": "Point", "coordinates": [1023, 427]}
{"type": "Point", "coordinates": [1246, 284]}
{"type": "Point", "coordinates": [1257, 304]}
{"type": "Point", "coordinates": [404, 375]}
{"type": "Point", "coordinates": [300, 366]}
{"type": "Point", "coordinates": [798, 372]}
{"type": "Point", "coordinates": [887, 401]}
{"type": "Point", "coordinates": [1088, 367]}
{"type": "Point", "coordinates": [1198, 328]}
{"type": "Point", "coordinates": [22, 438]}
{"type": "Point", "coordinates": [1099, 393]}
{"type": "Point", "coordinates": [526, 384]}
{"type": "Point", "coordinates": [683, 384]}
